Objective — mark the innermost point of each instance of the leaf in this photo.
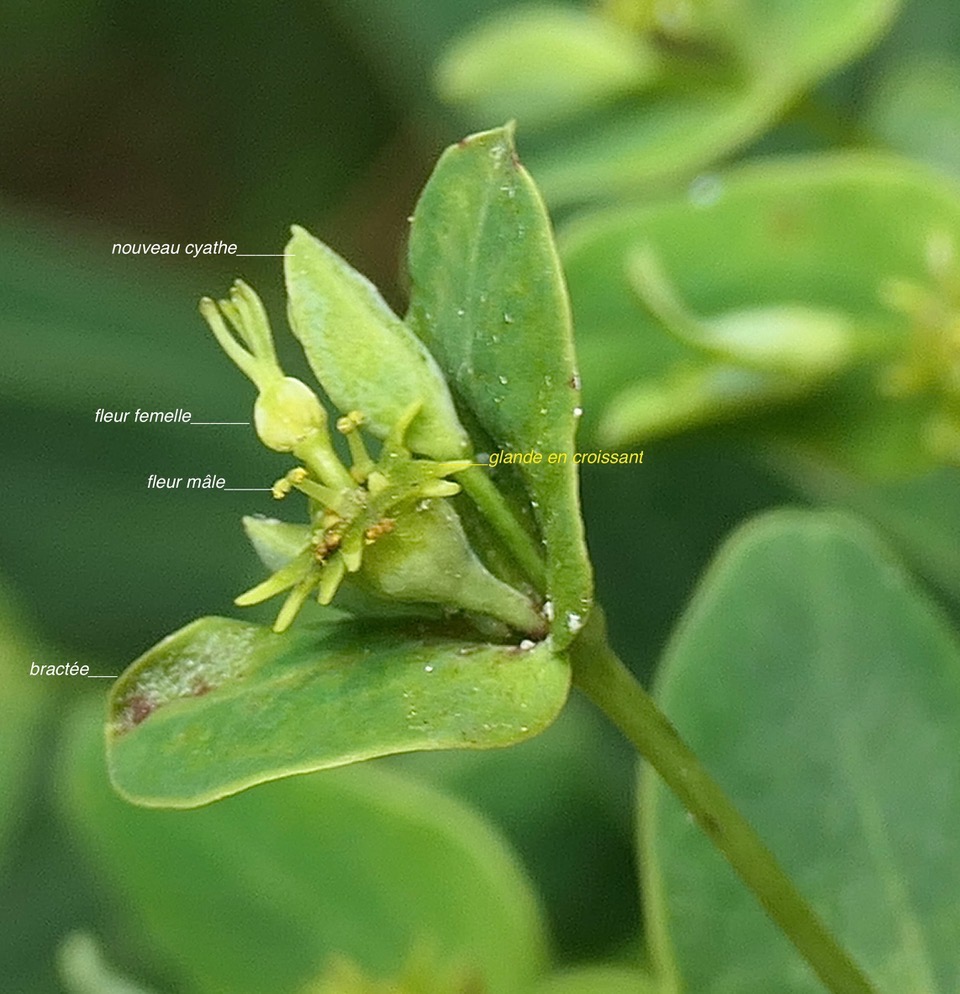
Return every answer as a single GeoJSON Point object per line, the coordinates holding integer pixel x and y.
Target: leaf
{"type": "Point", "coordinates": [651, 144]}
{"type": "Point", "coordinates": [489, 301]}
{"type": "Point", "coordinates": [724, 77]}
{"type": "Point", "coordinates": [915, 107]}
{"type": "Point", "coordinates": [564, 799]}
{"type": "Point", "coordinates": [259, 892]}
{"type": "Point", "coordinates": [822, 689]}
{"type": "Point", "coordinates": [364, 356]}
{"type": "Point", "coordinates": [540, 64]}
{"type": "Point", "coordinates": [222, 705]}
{"type": "Point", "coordinates": [829, 234]}
{"type": "Point", "coordinates": [790, 339]}
{"type": "Point", "coordinates": [804, 39]}
{"type": "Point", "coordinates": [920, 515]}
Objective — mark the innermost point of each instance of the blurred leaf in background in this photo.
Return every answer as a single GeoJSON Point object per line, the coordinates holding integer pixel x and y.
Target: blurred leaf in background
{"type": "Point", "coordinates": [257, 892]}
{"type": "Point", "coordinates": [674, 86]}
{"type": "Point", "coordinates": [825, 233]}
{"type": "Point", "coordinates": [844, 682]}
{"type": "Point", "coordinates": [915, 109]}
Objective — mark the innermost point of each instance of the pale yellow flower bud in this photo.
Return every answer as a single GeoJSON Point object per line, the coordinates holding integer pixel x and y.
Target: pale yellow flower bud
{"type": "Point", "coordinates": [286, 412]}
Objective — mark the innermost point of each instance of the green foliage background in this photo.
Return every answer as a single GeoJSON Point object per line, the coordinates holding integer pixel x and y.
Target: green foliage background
{"type": "Point", "coordinates": [183, 122]}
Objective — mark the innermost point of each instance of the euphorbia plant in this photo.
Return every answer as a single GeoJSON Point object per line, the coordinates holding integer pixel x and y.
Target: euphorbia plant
{"type": "Point", "coordinates": [455, 600]}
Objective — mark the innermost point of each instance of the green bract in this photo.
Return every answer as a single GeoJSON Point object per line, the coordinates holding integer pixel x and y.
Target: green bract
{"type": "Point", "coordinates": [363, 355]}
{"type": "Point", "coordinates": [222, 705]}
{"type": "Point", "coordinates": [489, 299]}
{"type": "Point", "coordinates": [477, 594]}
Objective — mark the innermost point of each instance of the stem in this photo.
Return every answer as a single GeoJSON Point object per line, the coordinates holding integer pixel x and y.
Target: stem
{"type": "Point", "coordinates": [600, 674]}
{"type": "Point", "coordinates": [321, 459]}
{"type": "Point", "coordinates": [496, 510]}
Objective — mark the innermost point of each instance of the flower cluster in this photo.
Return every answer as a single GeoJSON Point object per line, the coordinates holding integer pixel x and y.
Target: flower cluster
{"type": "Point", "coordinates": [383, 520]}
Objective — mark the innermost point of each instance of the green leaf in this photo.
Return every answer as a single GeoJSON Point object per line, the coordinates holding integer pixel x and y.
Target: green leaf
{"type": "Point", "coordinates": [829, 235]}
{"type": "Point", "coordinates": [822, 689]}
{"type": "Point", "coordinates": [540, 64]}
{"type": "Point", "coordinates": [222, 705]}
{"type": "Point", "coordinates": [598, 980]}
{"type": "Point", "coordinates": [564, 799]}
{"type": "Point", "coordinates": [489, 301]}
{"type": "Point", "coordinates": [802, 40]}
{"type": "Point", "coordinates": [920, 515]}
{"type": "Point", "coordinates": [790, 339]}
{"type": "Point", "coordinates": [915, 109]}
{"type": "Point", "coordinates": [364, 356]}
{"type": "Point", "coordinates": [258, 893]}
{"type": "Point", "coordinates": [651, 144]}
{"type": "Point", "coordinates": [723, 79]}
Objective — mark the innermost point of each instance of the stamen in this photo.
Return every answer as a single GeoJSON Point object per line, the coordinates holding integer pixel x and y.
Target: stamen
{"type": "Point", "coordinates": [352, 550]}
{"type": "Point", "coordinates": [362, 463]}
{"type": "Point", "coordinates": [293, 603]}
{"type": "Point", "coordinates": [283, 579]}
{"type": "Point", "coordinates": [330, 579]}
{"type": "Point", "coordinates": [325, 496]}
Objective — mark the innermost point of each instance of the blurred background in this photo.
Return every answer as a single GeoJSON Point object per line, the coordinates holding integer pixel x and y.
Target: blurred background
{"type": "Point", "coordinates": [192, 122]}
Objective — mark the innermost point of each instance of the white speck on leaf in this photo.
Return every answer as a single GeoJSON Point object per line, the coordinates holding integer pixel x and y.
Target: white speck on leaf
{"type": "Point", "coordinates": [705, 191]}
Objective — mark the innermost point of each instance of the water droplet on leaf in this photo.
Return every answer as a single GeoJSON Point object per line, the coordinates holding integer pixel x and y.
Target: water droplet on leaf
{"type": "Point", "coordinates": [705, 191]}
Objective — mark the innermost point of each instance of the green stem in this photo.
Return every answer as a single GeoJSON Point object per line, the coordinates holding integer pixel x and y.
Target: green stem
{"type": "Point", "coordinates": [495, 509]}
{"type": "Point", "coordinates": [317, 452]}
{"type": "Point", "coordinates": [600, 674]}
